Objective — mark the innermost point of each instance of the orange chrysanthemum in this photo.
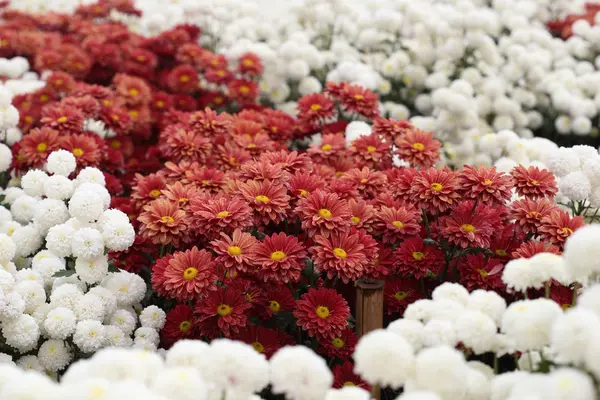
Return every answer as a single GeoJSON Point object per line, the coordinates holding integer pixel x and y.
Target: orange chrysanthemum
{"type": "Point", "coordinates": [163, 222]}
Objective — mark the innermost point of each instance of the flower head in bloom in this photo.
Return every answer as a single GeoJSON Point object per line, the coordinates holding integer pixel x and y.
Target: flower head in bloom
{"type": "Point", "coordinates": [37, 145]}
{"type": "Point", "coordinates": [303, 184]}
{"type": "Point", "coordinates": [397, 223]}
{"type": "Point", "coordinates": [323, 213]}
{"type": "Point", "coordinates": [250, 64]}
{"type": "Point", "coordinates": [63, 119]}
{"type": "Point", "coordinates": [344, 375]}
{"type": "Point", "coordinates": [355, 99]}
{"type": "Point", "coordinates": [391, 128]}
{"type": "Point", "coordinates": [371, 151]}
{"type": "Point", "coordinates": [279, 299]}
{"type": "Point", "coordinates": [219, 214]}
{"type": "Point", "coordinates": [180, 324]}
{"type": "Point", "coordinates": [291, 162]}
{"type": "Point", "coordinates": [368, 182]}
{"type": "Point", "coordinates": [531, 248]}
{"type": "Point", "coordinates": [322, 313]}
{"type": "Point", "coordinates": [363, 215]}
{"type": "Point", "coordinates": [147, 188]}
{"type": "Point", "coordinates": [180, 194]}
{"type": "Point", "coordinates": [186, 275]}
{"type": "Point", "coordinates": [418, 148]}
{"type": "Point", "coordinates": [87, 148]}
{"type": "Point", "coordinates": [268, 200]}
{"type": "Point", "coordinates": [466, 229]}
{"type": "Point", "coordinates": [479, 272]}
{"type": "Point", "coordinates": [341, 346]}
{"type": "Point", "coordinates": [315, 108]}
{"type": "Point", "coordinates": [222, 311]}
{"type": "Point", "coordinates": [342, 254]}
{"type": "Point", "coordinates": [236, 252]}
{"type": "Point", "coordinates": [281, 258]}
{"type": "Point", "coordinates": [485, 184]}
{"type": "Point", "coordinates": [416, 260]}
{"type": "Point", "coordinates": [528, 213]}
{"type": "Point", "coordinates": [208, 180]}
{"type": "Point", "coordinates": [263, 340]}
{"type": "Point", "coordinates": [399, 294]}
{"type": "Point", "coordinates": [400, 182]}
{"type": "Point", "coordinates": [534, 183]}
{"type": "Point", "coordinates": [435, 189]}
{"type": "Point", "coordinates": [559, 225]}
{"type": "Point", "coordinates": [243, 91]}
{"type": "Point", "coordinates": [163, 222]}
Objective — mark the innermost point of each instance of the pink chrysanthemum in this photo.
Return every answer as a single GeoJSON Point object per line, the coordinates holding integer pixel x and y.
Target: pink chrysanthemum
{"type": "Point", "coordinates": [236, 253]}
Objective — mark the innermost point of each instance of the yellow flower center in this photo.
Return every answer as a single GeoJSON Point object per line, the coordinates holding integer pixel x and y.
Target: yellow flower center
{"type": "Point", "coordinates": [224, 310]}
{"type": "Point", "coordinates": [234, 251]}
{"type": "Point", "coordinates": [418, 146]}
{"type": "Point", "coordinates": [184, 78]}
{"type": "Point", "coordinates": [133, 92]}
{"type": "Point", "coordinates": [262, 198]}
{"type": "Point", "coordinates": [400, 296]}
{"type": "Point", "coordinates": [160, 104]}
{"type": "Point", "coordinates": [277, 255]}
{"type": "Point", "coordinates": [341, 253]}
{"type": "Point", "coordinates": [258, 347]}
{"type": "Point", "coordinates": [244, 89]}
{"type": "Point", "coordinates": [248, 62]}
{"type": "Point", "coordinates": [534, 182]}
{"type": "Point", "coordinates": [315, 107]}
{"type": "Point", "coordinates": [338, 343]}
{"type": "Point", "coordinates": [222, 214]}
{"type": "Point", "coordinates": [167, 219]}
{"type": "Point", "coordinates": [348, 383]}
{"type": "Point", "coordinates": [355, 220]}
{"type": "Point", "coordinates": [358, 97]}
{"type": "Point", "coordinates": [325, 213]}
{"type": "Point", "coordinates": [467, 228]}
{"type": "Point", "coordinates": [501, 253]}
{"type": "Point", "coordinates": [274, 306]}
{"type": "Point", "coordinates": [371, 149]}
{"type": "Point", "coordinates": [326, 147]}
{"type": "Point", "coordinates": [41, 147]}
{"type": "Point", "coordinates": [62, 120]}
{"type": "Point", "coordinates": [303, 193]}
{"type": "Point", "coordinates": [417, 255]}
{"type": "Point", "coordinates": [436, 187]}
{"type": "Point", "coordinates": [115, 144]}
{"type": "Point", "coordinates": [322, 312]}
{"type": "Point", "coordinates": [568, 231]}
{"type": "Point", "coordinates": [77, 152]}
{"type": "Point", "coordinates": [398, 224]}
{"type": "Point", "coordinates": [483, 273]}
{"type": "Point", "coordinates": [487, 182]}
{"type": "Point", "coordinates": [44, 98]}
{"type": "Point", "coordinates": [566, 306]}
{"type": "Point", "coordinates": [185, 326]}
{"type": "Point", "coordinates": [363, 180]}
{"type": "Point", "coordinates": [190, 273]}
{"type": "Point", "coordinates": [155, 193]}
{"type": "Point", "coordinates": [183, 199]}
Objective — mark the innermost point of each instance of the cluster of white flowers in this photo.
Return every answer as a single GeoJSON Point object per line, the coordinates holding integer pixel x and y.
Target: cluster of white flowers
{"type": "Point", "coordinates": [61, 301]}
{"type": "Point", "coordinates": [41, 6]}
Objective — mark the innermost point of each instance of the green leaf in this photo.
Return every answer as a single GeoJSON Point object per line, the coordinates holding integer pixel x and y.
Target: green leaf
{"type": "Point", "coordinates": [64, 273]}
{"type": "Point", "coordinates": [112, 268]}
{"type": "Point", "coordinates": [430, 242]}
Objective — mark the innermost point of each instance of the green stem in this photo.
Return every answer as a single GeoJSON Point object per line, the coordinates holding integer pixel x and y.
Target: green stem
{"type": "Point", "coordinates": [375, 391]}
{"type": "Point", "coordinates": [496, 367]}
{"type": "Point", "coordinates": [547, 289]}
{"type": "Point", "coordinates": [575, 293]}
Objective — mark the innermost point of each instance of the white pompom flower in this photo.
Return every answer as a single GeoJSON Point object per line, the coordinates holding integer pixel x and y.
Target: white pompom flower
{"type": "Point", "coordinates": [180, 383]}
{"type": "Point", "coordinates": [87, 243]}
{"type": "Point", "coordinates": [58, 187]}
{"type": "Point", "coordinates": [33, 182]}
{"type": "Point", "coordinates": [118, 236]}
{"type": "Point", "coordinates": [23, 208]}
{"type": "Point", "coordinates": [22, 333]}
{"type": "Point", "coordinates": [582, 253]}
{"type": "Point", "coordinates": [571, 334]}
{"type": "Point", "coordinates": [54, 355]}
{"type": "Point", "coordinates": [89, 336]}
{"type": "Point", "coordinates": [575, 186]}
{"type": "Point", "coordinates": [5, 157]}
{"type": "Point", "coordinates": [529, 323]}
{"type": "Point", "coordinates": [487, 302]}
{"type": "Point", "coordinates": [92, 270]}
{"type": "Point", "coordinates": [441, 370]}
{"type": "Point", "coordinates": [90, 307]}
{"type": "Point", "coordinates": [90, 175]}
{"type": "Point", "coordinates": [50, 212]}
{"type": "Point", "coordinates": [86, 206]}
{"type": "Point", "coordinates": [8, 248]}
{"type": "Point", "coordinates": [60, 323]}
{"type": "Point", "coordinates": [411, 330]}
{"type": "Point", "coordinates": [451, 291]}
{"type": "Point", "coordinates": [153, 317]}
{"type": "Point", "coordinates": [128, 288]}
{"type": "Point", "coordinates": [61, 162]}
{"type": "Point", "coordinates": [32, 292]}
{"type": "Point", "coordinates": [476, 330]}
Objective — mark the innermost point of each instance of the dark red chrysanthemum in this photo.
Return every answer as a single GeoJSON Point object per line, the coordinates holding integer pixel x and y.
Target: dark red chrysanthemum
{"type": "Point", "coordinates": [399, 294]}
{"type": "Point", "coordinates": [528, 213]}
{"type": "Point", "coordinates": [163, 222]}
{"type": "Point", "coordinates": [269, 200]}
{"type": "Point", "coordinates": [262, 171]}
{"type": "Point", "coordinates": [479, 272]}
{"type": "Point", "coordinates": [466, 229]}
{"type": "Point", "coordinates": [291, 162]}
{"type": "Point", "coordinates": [343, 375]}
{"type": "Point", "coordinates": [147, 188]}
{"type": "Point", "coordinates": [263, 340]}
{"type": "Point", "coordinates": [250, 64]}
{"type": "Point", "coordinates": [279, 299]}
{"type": "Point", "coordinates": [363, 215]}
{"type": "Point", "coordinates": [400, 182]}
{"type": "Point", "coordinates": [506, 240]}
{"type": "Point", "coordinates": [219, 214]}
{"type": "Point", "coordinates": [418, 148]}
{"type": "Point", "coordinates": [485, 184]}
{"type": "Point", "coordinates": [559, 225]}
{"type": "Point", "coordinates": [322, 313]}
{"type": "Point", "coordinates": [63, 119]}
{"type": "Point", "coordinates": [209, 124]}
{"type": "Point", "coordinates": [533, 182]}
{"type": "Point", "coordinates": [369, 183]}
{"type": "Point", "coordinates": [209, 180]}
{"type": "Point", "coordinates": [323, 213]}
{"type": "Point", "coordinates": [180, 194]}
{"type": "Point", "coordinates": [397, 223]}
{"type": "Point", "coordinates": [36, 146]}
{"type": "Point", "coordinates": [303, 184]}
{"type": "Point", "coordinates": [371, 151]}
{"type": "Point", "coordinates": [281, 258]}
{"type": "Point", "coordinates": [391, 128]}
{"type": "Point", "coordinates": [178, 143]}
{"type": "Point", "coordinates": [315, 108]}
{"type": "Point", "coordinates": [341, 347]}
{"type": "Point", "coordinates": [435, 189]}
{"type": "Point", "coordinates": [243, 91]}
{"type": "Point", "coordinates": [86, 148]}
{"type": "Point", "coordinates": [236, 253]}
{"type": "Point", "coordinates": [180, 324]}
{"type": "Point", "coordinates": [415, 259]}
{"type": "Point", "coordinates": [222, 311]}
{"type": "Point", "coordinates": [357, 99]}
{"type": "Point", "coordinates": [531, 248]}
{"type": "Point", "coordinates": [183, 79]}
{"type": "Point", "coordinates": [342, 254]}
{"type": "Point", "coordinates": [331, 145]}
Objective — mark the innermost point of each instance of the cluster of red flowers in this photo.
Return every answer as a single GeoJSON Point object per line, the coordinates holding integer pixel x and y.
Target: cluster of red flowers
{"type": "Point", "coordinates": [564, 27]}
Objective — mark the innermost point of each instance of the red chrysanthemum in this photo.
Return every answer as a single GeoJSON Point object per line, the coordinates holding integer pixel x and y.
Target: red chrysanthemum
{"type": "Point", "coordinates": [36, 146]}
{"type": "Point", "coordinates": [87, 149]}
{"type": "Point", "coordinates": [397, 223]}
{"type": "Point", "coordinates": [343, 375]}
{"type": "Point", "coordinates": [262, 171]}
{"type": "Point", "coordinates": [147, 188]}
{"type": "Point", "coordinates": [322, 313]}
{"type": "Point", "coordinates": [417, 260]}
{"type": "Point", "coordinates": [559, 225]}
{"type": "Point", "coordinates": [291, 162]}
{"type": "Point", "coordinates": [342, 255]}
{"type": "Point", "coordinates": [209, 180]}
{"type": "Point", "coordinates": [533, 182]}
{"type": "Point", "coordinates": [435, 189]}
{"type": "Point", "coordinates": [180, 324]}
{"type": "Point", "coordinates": [479, 272]}
{"type": "Point", "coordinates": [315, 108]}
{"type": "Point", "coordinates": [341, 347]}
{"type": "Point", "coordinates": [220, 214]}
{"type": "Point", "coordinates": [399, 293]}
{"type": "Point", "coordinates": [63, 119]}
{"type": "Point", "coordinates": [331, 145]}
{"type": "Point", "coordinates": [178, 143]}
{"type": "Point", "coordinates": [243, 91]}
{"type": "Point", "coordinates": [528, 213]}
{"type": "Point", "coordinates": [180, 194]}
{"type": "Point", "coordinates": [357, 99]}
{"type": "Point", "coordinates": [250, 64]}
{"type": "Point", "coordinates": [485, 184]}
{"type": "Point", "coordinates": [506, 240]}
{"type": "Point", "coordinates": [263, 340]}
{"type": "Point", "coordinates": [466, 229]}
{"type": "Point", "coordinates": [132, 89]}
{"type": "Point", "coordinates": [279, 299]}
{"type": "Point", "coordinates": [418, 148]}
{"type": "Point", "coordinates": [236, 253]}
{"type": "Point", "coordinates": [209, 124]}
{"type": "Point", "coordinates": [531, 248]}
{"type": "Point", "coordinates": [163, 222]}
{"type": "Point", "coordinates": [303, 184]}
{"type": "Point", "coordinates": [323, 213]}
{"type": "Point", "coordinates": [363, 215]}
{"type": "Point", "coordinates": [222, 311]}
{"type": "Point", "coordinates": [371, 151]}
{"type": "Point", "coordinates": [281, 258]}
{"type": "Point", "coordinates": [369, 183]}
{"type": "Point", "coordinates": [400, 182]}
{"type": "Point", "coordinates": [269, 200]}
{"type": "Point", "coordinates": [183, 79]}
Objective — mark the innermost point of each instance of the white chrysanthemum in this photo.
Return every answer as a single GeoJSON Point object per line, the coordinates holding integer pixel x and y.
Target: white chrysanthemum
{"type": "Point", "coordinates": [571, 334]}
{"type": "Point", "coordinates": [31, 385]}
{"type": "Point", "coordinates": [99, 190]}
{"type": "Point", "coordinates": [547, 266]}
{"type": "Point", "coordinates": [503, 384]}
{"type": "Point", "coordinates": [60, 323]}
{"type": "Point", "coordinates": [180, 383]}
{"type": "Point", "coordinates": [86, 205]}
{"type": "Point", "coordinates": [30, 363]}
{"type": "Point", "coordinates": [384, 358]}
{"type": "Point", "coordinates": [441, 370]}
{"type": "Point", "coordinates": [439, 332]}
{"type": "Point", "coordinates": [89, 335]}
{"type": "Point", "coordinates": [23, 208]}
{"type": "Point", "coordinates": [11, 194]}
{"type": "Point", "coordinates": [575, 186]}
{"type": "Point", "coordinates": [33, 182]}
{"type": "Point", "coordinates": [90, 308]}
{"type": "Point", "coordinates": [477, 385]}
{"type": "Point", "coordinates": [299, 373]}
{"type": "Point", "coordinates": [582, 253]}
{"type": "Point", "coordinates": [93, 270]}
{"type": "Point", "coordinates": [591, 169]}
{"type": "Point", "coordinates": [29, 274]}
{"type": "Point", "coordinates": [58, 187]}
{"type": "Point", "coordinates": [347, 393]}
{"type": "Point", "coordinates": [570, 383]}
{"type": "Point", "coordinates": [90, 175]}
{"type": "Point", "coordinates": [529, 322]}
{"type": "Point", "coordinates": [112, 215]}
{"type": "Point", "coordinates": [8, 248]}
{"type": "Point", "coordinates": [9, 373]}
{"type": "Point", "coordinates": [451, 291]}
{"type": "Point", "coordinates": [418, 395]}
{"type": "Point", "coordinates": [10, 267]}
{"type": "Point", "coordinates": [49, 213]}
{"type": "Point", "coordinates": [87, 243]}
{"type": "Point", "coordinates": [487, 302]}
{"type": "Point", "coordinates": [356, 129]}
{"type": "Point", "coordinates": [419, 310]}
{"type": "Point", "coordinates": [47, 267]}
{"type": "Point", "coordinates": [66, 295]}
{"type": "Point", "coordinates": [124, 320]}
{"type": "Point", "coordinates": [61, 162]}
{"type": "Point", "coordinates": [118, 236]}
{"type": "Point", "coordinates": [109, 301]}
{"type": "Point", "coordinates": [22, 333]}
{"type": "Point", "coordinates": [446, 309]}
{"type": "Point", "coordinates": [153, 317]}
{"type": "Point", "coordinates": [115, 337]}
{"type": "Point", "coordinates": [8, 227]}
{"type": "Point", "coordinates": [145, 345]}
{"type": "Point", "coordinates": [590, 299]}
{"type": "Point", "coordinates": [476, 330]}
{"type": "Point", "coordinates": [72, 279]}
{"type": "Point", "coordinates": [28, 239]}
{"type": "Point", "coordinates": [33, 293]}
{"type": "Point", "coordinates": [519, 276]}
{"type": "Point", "coordinates": [5, 359]}
{"type": "Point", "coordinates": [127, 287]}
{"type": "Point", "coordinates": [5, 157]}
{"type": "Point", "coordinates": [411, 330]}
{"type": "Point", "coordinates": [12, 306]}
{"type": "Point", "coordinates": [54, 355]}
{"type": "Point", "coordinates": [187, 353]}
{"type": "Point", "coordinates": [59, 240]}
{"type": "Point", "coordinates": [7, 281]}
{"type": "Point", "coordinates": [148, 334]}
{"type": "Point", "coordinates": [563, 161]}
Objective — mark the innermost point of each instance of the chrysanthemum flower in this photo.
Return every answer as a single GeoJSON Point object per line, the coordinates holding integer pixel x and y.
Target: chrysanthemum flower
{"type": "Point", "coordinates": [363, 215]}
{"type": "Point", "coordinates": [416, 260]}
{"type": "Point", "coordinates": [231, 156]}
{"type": "Point", "coordinates": [341, 347]}
{"type": "Point", "coordinates": [88, 149]}
{"type": "Point", "coordinates": [399, 293]}
{"type": "Point", "coordinates": [209, 180]}
{"type": "Point", "coordinates": [236, 253]}
{"type": "Point", "coordinates": [466, 229]}
{"type": "Point", "coordinates": [390, 128]}
{"type": "Point", "coordinates": [243, 91]}
{"type": "Point", "coordinates": [531, 248]}
{"type": "Point", "coordinates": [219, 214]}
{"type": "Point", "coordinates": [371, 151]}
{"type": "Point", "coordinates": [207, 123]}
{"type": "Point", "coordinates": [435, 189]}
{"type": "Point", "coordinates": [269, 200]}
{"type": "Point", "coordinates": [222, 311]}
{"type": "Point", "coordinates": [37, 145]}
{"type": "Point", "coordinates": [323, 213]}
{"type": "Point", "coordinates": [528, 213]}
{"type": "Point", "coordinates": [418, 147]}
{"type": "Point", "coordinates": [263, 340]}
{"type": "Point", "coordinates": [180, 194]}
{"type": "Point", "coordinates": [485, 184]}
{"type": "Point", "coordinates": [400, 182]}
{"type": "Point", "coordinates": [331, 145]}
{"type": "Point", "coordinates": [281, 258]}
{"type": "Point", "coordinates": [506, 240]}
{"type": "Point", "coordinates": [188, 275]}
{"type": "Point", "coordinates": [534, 183]}
{"type": "Point", "coordinates": [357, 99]}
{"type": "Point", "coordinates": [183, 79]}
{"type": "Point", "coordinates": [291, 162]}
{"type": "Point", "coordinates": [279, 299]}
{"type": "Point", "coordinates": [163, 222]}
{"type": "Point", "coordinates": [322, 313]}
{"type": "Point", "coordinates": [132, 89]}
{"type": "Point", "coordinates": [397, 223]}
{"type": "Point", "coordinates": [368, 182]}
{"type": "Point", "coordinates": [250, 64]}
{"type": "Point", "coordinates": [180, 324]}
{"type": "Point", "coordinates": [178, 143]}
{"type": "Point", "coordinates": [262, 171]}
{"type": "Point", "coordinates": [315, 108]}
{"type": "Point", "coordinates": [342, 254]}
{"type": "Point", "coordinates": [63, 119]}
{"type": "Point", "coordinates": [382, 260]}
{"type": "Point", "coordinates": [559, 225]}
{"type": "Point", "coordinates": [343, 375]}
{"type": "Point", "coordinates": [147, 188]}
{"type": "Point", "coordinates": [479, 272]}
{"type": "Point", "coordinates": [302, 184]}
